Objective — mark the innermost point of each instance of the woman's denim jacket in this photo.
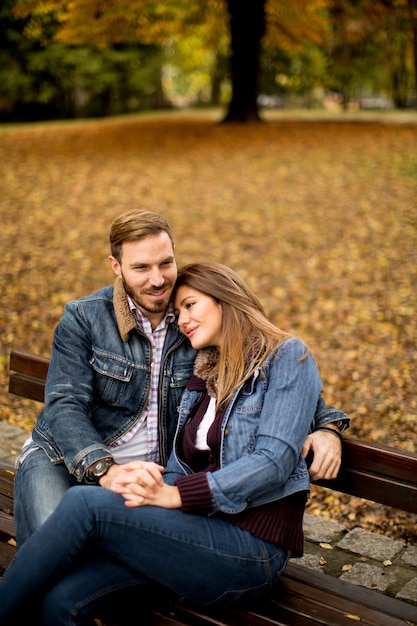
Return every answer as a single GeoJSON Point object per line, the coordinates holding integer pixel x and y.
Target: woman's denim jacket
{"type": "Point", "coordinates": [99, 380]}
{"type": "Point", "coordinates": [263, 431]}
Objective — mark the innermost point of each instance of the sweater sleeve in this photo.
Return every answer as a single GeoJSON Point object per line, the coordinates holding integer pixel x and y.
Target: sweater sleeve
{"type": "Point", "coordinates": [195, 493]}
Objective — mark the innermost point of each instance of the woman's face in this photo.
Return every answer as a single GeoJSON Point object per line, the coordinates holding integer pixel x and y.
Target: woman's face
{"type": "Point", "coordinates": [199, 317]}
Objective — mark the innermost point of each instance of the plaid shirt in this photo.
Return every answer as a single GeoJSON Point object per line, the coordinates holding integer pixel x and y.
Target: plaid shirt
{"type": "Point", "coordinates": [149, 417]}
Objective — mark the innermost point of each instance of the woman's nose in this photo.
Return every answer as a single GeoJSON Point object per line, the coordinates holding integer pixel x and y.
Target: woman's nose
{"type": "Point", "coordinates": [182, 320]}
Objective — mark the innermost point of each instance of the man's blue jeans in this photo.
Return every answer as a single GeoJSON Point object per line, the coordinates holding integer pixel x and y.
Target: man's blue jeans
{"type": "Point", "coordinates": [38, 489]}
{"type": "Point", "coordinates": [205, 560]}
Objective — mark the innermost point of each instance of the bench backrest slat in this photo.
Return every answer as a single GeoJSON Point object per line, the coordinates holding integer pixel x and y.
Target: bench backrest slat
{"type": "Point", "coordinates": [29, 364]}
{"type": "Point", "coordinates": [380, 459]}
{"type": "Point", "coordinates": [27, 375]}
{"type": "Point", "coordinates": [27, 386]}
{"type": "Point", "coordinates": [386, 490]}
{"type": "Point", "coordinates": [377, 472]}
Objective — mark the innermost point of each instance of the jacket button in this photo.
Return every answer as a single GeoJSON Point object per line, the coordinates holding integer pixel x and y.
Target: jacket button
{"type": "Point", "coordinates": [226, 432]}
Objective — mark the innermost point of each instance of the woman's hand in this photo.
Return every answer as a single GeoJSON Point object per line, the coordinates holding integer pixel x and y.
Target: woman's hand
{"type": "Point", "coordinates": [165, 496]}
{"type": "Point", "coordinates": [141, 482]}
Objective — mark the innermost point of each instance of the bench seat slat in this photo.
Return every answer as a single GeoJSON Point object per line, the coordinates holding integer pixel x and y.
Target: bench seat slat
{"type": "Point", "coordinates": [7, 525]}
{"type": "Point", "coordinates": [6, 481]}
{"type": "Point", "coordinates": [7, 553]}
{"type": "Point", "coordinates": [160, 619]}
{"type": "Point", "coordinates": [300, 581]}
{"type": "Point", "coordinates": [6, 486]}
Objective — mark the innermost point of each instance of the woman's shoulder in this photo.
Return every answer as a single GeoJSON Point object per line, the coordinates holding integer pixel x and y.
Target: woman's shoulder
{"type": "Point", "coordinates": [290, 347]}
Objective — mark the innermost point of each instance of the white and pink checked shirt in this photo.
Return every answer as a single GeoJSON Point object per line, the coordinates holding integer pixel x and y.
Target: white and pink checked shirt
{"type": "Point", "coordinates": [141, 443]}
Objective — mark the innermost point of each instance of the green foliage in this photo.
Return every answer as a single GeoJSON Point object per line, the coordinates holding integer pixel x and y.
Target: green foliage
{"type": "Point", "coordinates": [296, 74]}
{"type": "Point", "coordinates": [42, 77]}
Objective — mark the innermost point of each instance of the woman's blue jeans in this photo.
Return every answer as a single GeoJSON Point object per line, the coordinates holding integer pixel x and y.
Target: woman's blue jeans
{"type": "Point", "coordinates": [93, 546]}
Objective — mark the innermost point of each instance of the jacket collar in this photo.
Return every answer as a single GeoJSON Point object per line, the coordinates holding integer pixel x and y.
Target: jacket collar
{"type": "Point", "coordinates": [206, 368]}
{"type": "Point", "coordinates": [125, 319]}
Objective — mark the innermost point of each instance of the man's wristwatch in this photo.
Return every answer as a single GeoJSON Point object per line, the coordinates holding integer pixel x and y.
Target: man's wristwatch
{"type": "Point", "coordinates": [99, 468]}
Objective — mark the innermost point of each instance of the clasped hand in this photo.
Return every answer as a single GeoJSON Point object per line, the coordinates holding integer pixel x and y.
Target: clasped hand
{"type": "Point", "coordinates": [140, 483]}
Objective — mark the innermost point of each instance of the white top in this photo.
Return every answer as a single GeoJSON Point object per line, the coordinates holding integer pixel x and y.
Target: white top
{"type": "Point", "coordinates": [206, 422]}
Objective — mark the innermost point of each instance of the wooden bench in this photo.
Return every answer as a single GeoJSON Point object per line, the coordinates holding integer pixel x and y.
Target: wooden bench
{"type": "Point", "coordinates": [303, 596]}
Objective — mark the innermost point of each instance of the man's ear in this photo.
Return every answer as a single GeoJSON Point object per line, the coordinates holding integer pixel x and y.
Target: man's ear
{"type": "Point", "coordinates": [115, 265]}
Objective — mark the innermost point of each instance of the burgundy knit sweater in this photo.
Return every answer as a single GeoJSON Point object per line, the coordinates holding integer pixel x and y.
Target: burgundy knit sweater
{"type": "Point", "coordinates": [279, 522]}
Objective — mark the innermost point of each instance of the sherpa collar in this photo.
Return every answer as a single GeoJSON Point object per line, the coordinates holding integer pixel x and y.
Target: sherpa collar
{"type": "Point", "coordinates": [125, 319]}
{"type": "Point", "coordinates": [206, 368]}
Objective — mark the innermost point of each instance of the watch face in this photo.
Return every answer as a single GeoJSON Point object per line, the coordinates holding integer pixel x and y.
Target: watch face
{"type": "Point", "coordinates": [101, 467]}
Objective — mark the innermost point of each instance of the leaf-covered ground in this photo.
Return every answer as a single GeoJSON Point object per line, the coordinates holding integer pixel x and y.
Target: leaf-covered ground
{"type": "Point", "coordinates": [320, 217]}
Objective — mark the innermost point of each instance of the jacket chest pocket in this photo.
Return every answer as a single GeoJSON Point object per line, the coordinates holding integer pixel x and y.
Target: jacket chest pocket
{"type": "Point", "coordinates": [251, 395]}
{"type": "Point", "coordinates": [112, 378]}
{"type": "Point", "coordinates": [243, 424]}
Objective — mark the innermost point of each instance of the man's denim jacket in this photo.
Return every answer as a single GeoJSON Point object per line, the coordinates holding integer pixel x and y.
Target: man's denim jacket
{"type": "Point", "coordinates": [99, 380]}
{"type": "Point", "coordinates": [263, 431]}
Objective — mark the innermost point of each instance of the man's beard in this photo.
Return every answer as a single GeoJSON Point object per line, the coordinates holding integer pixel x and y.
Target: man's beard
{"type": "Point", "coordinates": [144, 305]}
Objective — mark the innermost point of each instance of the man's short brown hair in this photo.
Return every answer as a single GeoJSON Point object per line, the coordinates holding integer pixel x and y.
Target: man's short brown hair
{"type": "Point", "coordinates": [136, 224]}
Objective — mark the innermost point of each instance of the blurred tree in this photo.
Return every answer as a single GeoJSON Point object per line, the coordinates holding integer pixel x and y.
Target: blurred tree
{"type": "Point", "coordinates": [14, 49]}
{"type": "Point", "coordinates": [412, 5]}
{"type": "Point", "coordinates": [372, 45]}
{"type": "Point", "coordinates": [247, 27]}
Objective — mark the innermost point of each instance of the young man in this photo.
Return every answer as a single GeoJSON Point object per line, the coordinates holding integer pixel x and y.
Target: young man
{"type": "Point", "coordinates": [118, 368]}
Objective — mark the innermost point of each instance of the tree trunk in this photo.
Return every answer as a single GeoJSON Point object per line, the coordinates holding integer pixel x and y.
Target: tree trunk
{"type": "Point", "coordinates": [413, 14]}
{"type": "Point", "coordinates": [247, 26]}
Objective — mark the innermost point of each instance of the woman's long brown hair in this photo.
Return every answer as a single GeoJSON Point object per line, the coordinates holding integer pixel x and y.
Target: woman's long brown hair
{"type": "Point", "coordinates": [248, 336]}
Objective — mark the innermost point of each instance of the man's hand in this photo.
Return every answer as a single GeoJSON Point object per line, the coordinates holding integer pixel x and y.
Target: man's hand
{"type": "Point", "coordinates": [327, 450]}
{"type": "Point", "coordinates": [141, 482]}
{"type": "Point", "coordinates": [143, 473]}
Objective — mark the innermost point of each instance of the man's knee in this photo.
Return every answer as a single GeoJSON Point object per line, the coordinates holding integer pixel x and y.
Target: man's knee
{"type": "Point", "coordinates": [39, 487]}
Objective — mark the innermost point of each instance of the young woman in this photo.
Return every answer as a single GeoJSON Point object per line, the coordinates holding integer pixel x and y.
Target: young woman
{"type": "Point", "coordinates": [218, 525]}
